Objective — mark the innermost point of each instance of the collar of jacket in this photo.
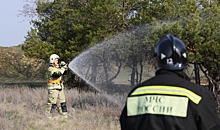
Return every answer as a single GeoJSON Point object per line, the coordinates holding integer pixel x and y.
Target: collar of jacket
{"type": "Point", "coordinates": [178, 73]}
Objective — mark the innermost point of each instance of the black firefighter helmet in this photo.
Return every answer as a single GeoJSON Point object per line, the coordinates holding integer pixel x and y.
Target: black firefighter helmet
{"type": "Point", "coordinates": [171, 54]}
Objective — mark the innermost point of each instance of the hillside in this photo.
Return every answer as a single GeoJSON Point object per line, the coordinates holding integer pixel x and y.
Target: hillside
{"type": "Point", "coordinates": [16, 67]}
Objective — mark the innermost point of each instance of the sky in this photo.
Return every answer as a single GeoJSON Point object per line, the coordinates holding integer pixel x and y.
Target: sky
{"type": "Point", "coordinates": [13, 28]}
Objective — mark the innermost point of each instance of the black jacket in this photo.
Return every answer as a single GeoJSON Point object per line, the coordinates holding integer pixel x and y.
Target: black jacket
{"type": "Point", "coordinates": [169, 101]}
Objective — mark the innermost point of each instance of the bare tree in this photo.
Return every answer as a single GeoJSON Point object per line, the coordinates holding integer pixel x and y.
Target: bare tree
{"type": "Point", "coordinates": [29, 11]}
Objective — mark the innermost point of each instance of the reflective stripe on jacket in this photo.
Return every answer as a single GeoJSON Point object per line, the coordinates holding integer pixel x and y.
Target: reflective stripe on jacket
{"type": "Point", "coordinates": [55, 81]}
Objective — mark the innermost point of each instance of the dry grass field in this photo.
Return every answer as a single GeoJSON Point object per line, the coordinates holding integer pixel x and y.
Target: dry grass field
{"type": "Point", "coordinates": [23, 108]}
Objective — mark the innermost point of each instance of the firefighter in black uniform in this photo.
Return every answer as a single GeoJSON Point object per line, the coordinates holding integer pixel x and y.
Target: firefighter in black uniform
{"type": "Point", "coordinates": [169, 101]}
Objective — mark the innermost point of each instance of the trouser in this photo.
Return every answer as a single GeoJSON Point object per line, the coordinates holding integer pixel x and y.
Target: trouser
{"type": "Point", "coordinates": [56, 99]}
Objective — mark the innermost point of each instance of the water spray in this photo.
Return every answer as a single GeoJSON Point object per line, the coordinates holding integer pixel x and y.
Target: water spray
{"type": "Point", "coordinates": [115, 66]}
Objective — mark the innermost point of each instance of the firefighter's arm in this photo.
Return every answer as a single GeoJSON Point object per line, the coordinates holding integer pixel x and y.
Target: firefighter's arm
{"type": "Point", "coordinates": [207, 116]}
{"type": "Point", "coordinates": [55, 72]}
{"type": "Point", "coordinates": [63, 66]}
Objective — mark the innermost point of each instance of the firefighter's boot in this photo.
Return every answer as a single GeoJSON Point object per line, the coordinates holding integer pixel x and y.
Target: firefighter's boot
{"type": "Point", "coordinates": [63, 111]}
{"type": "Point", "coordinates": [51, 110]}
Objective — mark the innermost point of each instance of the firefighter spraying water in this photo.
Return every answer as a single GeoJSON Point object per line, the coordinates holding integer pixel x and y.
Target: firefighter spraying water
{"type": "Point", "coordinates": [56, 97]}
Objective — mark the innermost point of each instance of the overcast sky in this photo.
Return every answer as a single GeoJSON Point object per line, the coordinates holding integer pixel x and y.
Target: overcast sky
{"type": "Point", "coordinates": [12, 28]}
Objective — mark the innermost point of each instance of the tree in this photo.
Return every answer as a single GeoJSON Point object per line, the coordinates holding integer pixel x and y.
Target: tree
{"type": "Point", "coordinates": [200, 33]}
{"type": "Point", "coordinates": [75, 24]}
{"type": "Point", "coordinates": [149, 12]}
{"type": "Point", "coordinates": [69, 27]}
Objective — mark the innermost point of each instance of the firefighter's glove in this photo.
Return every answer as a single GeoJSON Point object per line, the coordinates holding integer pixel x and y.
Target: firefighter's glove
{"type": "Point", "coordinates": [65, 67]}
{"type": "Point", "coordinates": [62, 63]}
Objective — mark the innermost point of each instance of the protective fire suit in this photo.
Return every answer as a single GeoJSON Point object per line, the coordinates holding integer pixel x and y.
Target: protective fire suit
{"type": "Point", "coordinates": [56, 97]}
{"type": "Point", "coordinates": [169, 101]}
